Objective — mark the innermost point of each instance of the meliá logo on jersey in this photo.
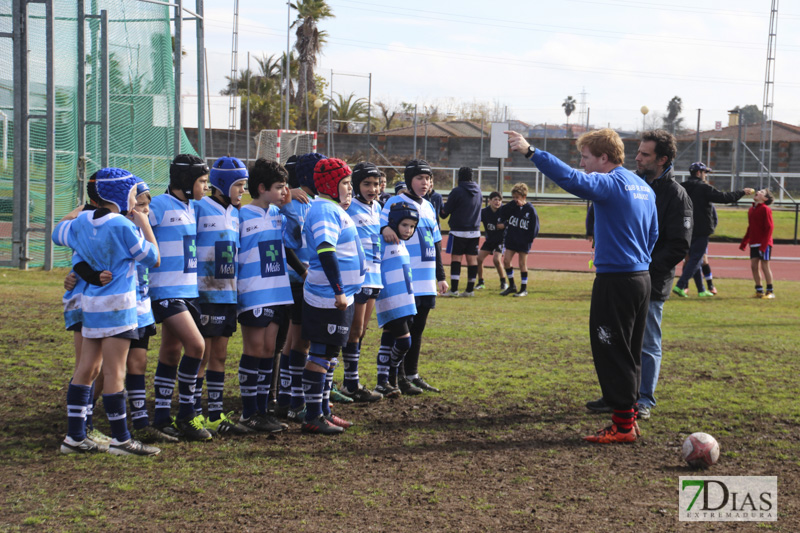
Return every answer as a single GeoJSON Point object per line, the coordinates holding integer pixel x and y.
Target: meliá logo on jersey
{"type": "Point", "coordinates": [271, 258]}
{"type": "Point", "coordinates": [225, 268]}
{"type": "Point", "coordinates": [427, 250]}
{"type": "Point", "coordinates": [189, 254]}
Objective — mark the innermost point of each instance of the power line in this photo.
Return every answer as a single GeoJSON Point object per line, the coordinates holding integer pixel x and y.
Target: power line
{"type": "Point", "coordinates": [603, 33]}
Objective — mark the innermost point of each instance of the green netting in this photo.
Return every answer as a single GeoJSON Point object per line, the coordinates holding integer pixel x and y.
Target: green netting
{"type": "Point", "coordinates": [141, 104]}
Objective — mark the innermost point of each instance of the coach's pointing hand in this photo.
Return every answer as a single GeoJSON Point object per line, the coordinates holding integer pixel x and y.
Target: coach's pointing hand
{"type": "Point", "coordinates": [517, 142]}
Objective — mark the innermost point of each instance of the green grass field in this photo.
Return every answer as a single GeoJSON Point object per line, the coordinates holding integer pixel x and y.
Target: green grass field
{"type": "Point", "coordinates": [499, 449]}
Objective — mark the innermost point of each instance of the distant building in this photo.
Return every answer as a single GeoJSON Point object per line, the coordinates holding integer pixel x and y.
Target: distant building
{"type": "Point", "coordinates": [453, 128]}
{"type": "Point", "coordinates": [552, 131]}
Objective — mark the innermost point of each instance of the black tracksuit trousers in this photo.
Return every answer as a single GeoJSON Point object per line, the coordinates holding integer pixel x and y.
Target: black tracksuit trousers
{"type": "Point", "coordinates": [617, 318]}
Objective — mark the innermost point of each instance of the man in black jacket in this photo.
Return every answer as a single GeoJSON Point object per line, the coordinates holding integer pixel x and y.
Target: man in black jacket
{"type": "Point", "coordinates": [654, 164]}
{"type": "Point", "coordinates": [702, 194]}
{"type": "Point", "coordinates": [463, 206]}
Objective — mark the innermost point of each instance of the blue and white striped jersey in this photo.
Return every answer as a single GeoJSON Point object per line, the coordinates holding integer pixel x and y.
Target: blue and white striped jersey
{"type": "Point", "coordinates": [396, 299]}
{"type": "Point", "coordinates": [110, 242]}
{"type": "Point", "coordinates": [217, 251]}
{"type": "Point", "coordinates": [421, 246]}
{"type": "Point", "coordinates": [175, 227]}
{"type": "Point", "coordinates": [328, 222]}
{"type": "Point", "coordinates": [295, 212]}
{"type": "Point", "coordinates": [144, 310]}
{"type": "Point", "coordinates": [73, 314]}
{"type": "Point", "coordinates": [263, 278]}
{"type": "Point", "coordinates": [367, 219]}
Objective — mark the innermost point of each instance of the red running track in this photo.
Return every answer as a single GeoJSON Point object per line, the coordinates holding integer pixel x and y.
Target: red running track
{"type": "Point", "coordinates": [726, 260]}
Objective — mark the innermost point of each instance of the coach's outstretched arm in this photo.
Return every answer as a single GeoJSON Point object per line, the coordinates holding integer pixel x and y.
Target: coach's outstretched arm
{"type": "Point", "coordinates": [593, 186]}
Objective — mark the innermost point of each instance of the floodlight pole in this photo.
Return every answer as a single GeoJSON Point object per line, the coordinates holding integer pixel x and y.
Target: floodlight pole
{"type": "Point", "coordinates": [697, 139]}
{"type": "Point", "coordinates": [201, 86]}
{"type": "Point", "coordinates": [288, 76]}
{"type": "Point", "coordinates": [50, 137]}
{"type": "Point", "coordinates": [176, 124]}
{"type": "Point", "coordinates": [81, 193]}
{"type": "Point", "coordinates": [21, 221]}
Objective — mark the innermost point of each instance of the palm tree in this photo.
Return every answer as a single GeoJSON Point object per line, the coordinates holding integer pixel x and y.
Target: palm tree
{"type": "Point", "coordinates": [265, 92]}
{"type": "Point", "coordinates": [674, 108]}
{"type": "Point", "coordinates": [309, 44]}
{"type": "Point", "coordinates": [346, 110]}
{"type": "Point", "coordinates": [569, 105]}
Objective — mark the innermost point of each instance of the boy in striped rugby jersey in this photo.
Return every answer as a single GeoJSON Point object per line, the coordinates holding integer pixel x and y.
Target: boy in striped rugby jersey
{"type": "Point", "coordinates": [365, 210]}
{"type": "Point", "coordinates": [395, 304]}
{"type": "Point", "coordinates": [173, 290]}
{"type": "Point", "coordinates": [291, 402]}
{"type": "Point", "coordinates": [263, 290]}
{"type": "Point", "coordinates": [217, 256]}
{"type": "Point", "coordinates": [107, 241]}
{"type": "Point", "coordinates": [335, 273]}
{"type": "Point", "coordinates": [425, 250]}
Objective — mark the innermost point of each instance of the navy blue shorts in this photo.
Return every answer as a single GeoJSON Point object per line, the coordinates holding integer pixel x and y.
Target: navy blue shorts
{"type": "Point", "coordinates": [144, 337]}
{"type": "Point", "coordinates": [132, 334]}
{"type": "Point", "coordinates": [327, 326]}
{"type": "Point", "coordinates": [365, 294]}
{"type": "Point", "coordinates": [163, 309]}
{"type": "Point", "coordinates": [399, 327]}
{"type": "Point", "coordinates": [428, 302]}
{"type": "Point", "coordinates": [297, 306]}
{"type": "Point", "coordinates": [492, 246]}
{"type": "Point", "coordinates": [462, 245]}
{"type": "Point", "coordinates": [217, 320]}
{"type": "Point", "coordinates": [261, 317]}
{"type": "Point", "coordinates": [756, 253]}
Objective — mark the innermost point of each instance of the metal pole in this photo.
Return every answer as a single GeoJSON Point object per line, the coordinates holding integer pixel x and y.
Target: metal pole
{"type": "Point", "coordinates": [201, 82]}
{"type": "Point", "coordinates": [21, 219]}
{"type": "Point", "coordinates": [415, 131]}
{"type": "Point", "coordinates": [81, 193]}
{"type": "Point", "coordinates": [699, 155]}
{"type": "Point", "coordinates": [288, 76]}
{"type": "Point", "coordinates": [249, 75]}
{"type": "Point", "coordinates": [744, 151]}
{"type": "Point", "coordinates": [500, 170]}
{"type": "Point", "coordinates": [545, 137]}
{"type": "Point", "coordinates": [210, 126]}
{"type": "Point", "coordinates": [369, 116]}
{"type": "Point", "coordinates": [736, 152]}
{"type": "Point", "coordinates": [330, 124]}
{"type": "Point", "coordinates": [425, 146]}
{"type": "Point", "coordinates": [104, 82]}
{"type": "Point", "coordinates": [50, 143]}
{"type": "Point", "coordinates": [176, 125]}
{"type": "Point", "coordinates": [480, 161]}
{"type": "Point", "coordinates": [93, 134]}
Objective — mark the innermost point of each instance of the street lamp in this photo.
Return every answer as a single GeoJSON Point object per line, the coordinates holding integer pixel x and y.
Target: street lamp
{"type": "Point", "coordinates": [645, 110]}
{"type": "Point", "coordinates": [317, 105]}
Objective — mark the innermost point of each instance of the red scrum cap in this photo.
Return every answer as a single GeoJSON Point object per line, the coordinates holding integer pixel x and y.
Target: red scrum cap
{"type": "Point", "coordinates": [327, 175]}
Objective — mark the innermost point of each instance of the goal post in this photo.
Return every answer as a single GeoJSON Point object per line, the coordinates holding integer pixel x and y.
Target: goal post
{"type": "Point", "coordinates": [280, 145]}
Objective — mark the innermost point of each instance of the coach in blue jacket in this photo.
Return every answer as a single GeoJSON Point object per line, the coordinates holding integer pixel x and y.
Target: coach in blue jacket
{"type": "Point", "coordinates": [463, 206]}
{"type": "Point", "coordinates": [626, 230]}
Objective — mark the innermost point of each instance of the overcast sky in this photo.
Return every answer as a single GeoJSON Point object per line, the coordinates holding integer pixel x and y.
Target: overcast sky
{"type": "Point", "coordinates": [530, 55]}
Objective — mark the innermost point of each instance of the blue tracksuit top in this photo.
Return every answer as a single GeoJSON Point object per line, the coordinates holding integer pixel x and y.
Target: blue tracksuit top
{"type": "Point", "coordinates": [626, 225]}
{"type": "Point", "coordinates": [464, 207]}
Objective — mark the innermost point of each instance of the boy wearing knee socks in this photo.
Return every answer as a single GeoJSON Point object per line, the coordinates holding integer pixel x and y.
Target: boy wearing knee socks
{"type": "Point", "coordinates": [335, 273]}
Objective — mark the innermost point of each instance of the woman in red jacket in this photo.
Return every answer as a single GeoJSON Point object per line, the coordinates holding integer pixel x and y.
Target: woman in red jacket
{"type": "Point", "coordinates": [759, 236]}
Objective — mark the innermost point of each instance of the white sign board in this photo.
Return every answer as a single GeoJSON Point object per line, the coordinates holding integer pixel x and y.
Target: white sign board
{"type": "Point", "coordinates": [718, 125]}
{"type": "Point", "coordinates": [219, 109]}
{"type": "Point", "coordinates": [499, 141]}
